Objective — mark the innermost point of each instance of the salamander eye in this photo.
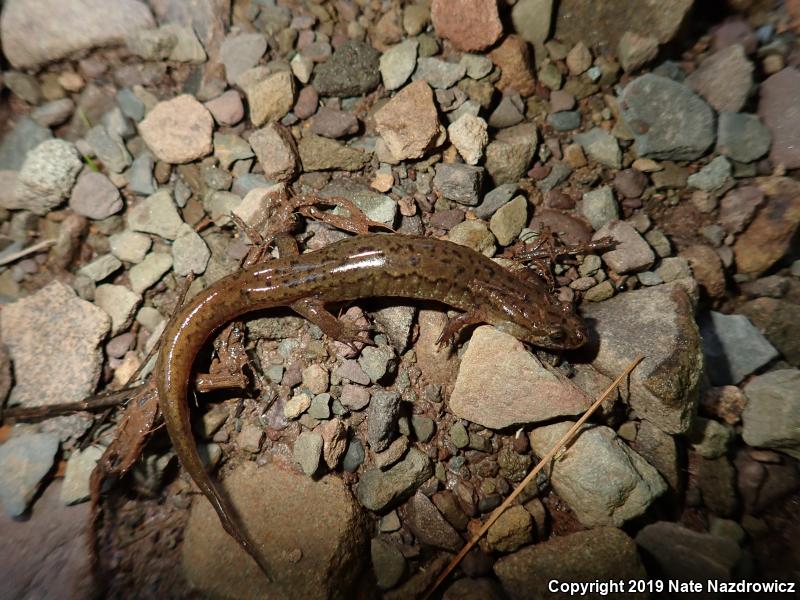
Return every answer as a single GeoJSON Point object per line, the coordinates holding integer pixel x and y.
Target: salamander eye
{"type": "Point", "coordinates": [556, 335]}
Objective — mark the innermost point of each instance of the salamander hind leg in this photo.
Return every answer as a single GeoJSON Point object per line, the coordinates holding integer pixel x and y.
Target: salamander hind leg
{"type": "Point", "coordinates": [457, 323]}
{"type": "Point", "coordinates": [347, 333]}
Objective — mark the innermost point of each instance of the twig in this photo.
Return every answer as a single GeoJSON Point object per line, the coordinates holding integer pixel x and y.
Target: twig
{"type": "Point", "coordinates": [96, 402]}
{"type": "Point", "coordinates": [565, 439]}
{"type": "Point", "coordinates": [26, 251]}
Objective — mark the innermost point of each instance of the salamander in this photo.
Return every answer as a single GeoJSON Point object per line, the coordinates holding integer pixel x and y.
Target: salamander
{"type": "Point", "coordinates": [519, 303]}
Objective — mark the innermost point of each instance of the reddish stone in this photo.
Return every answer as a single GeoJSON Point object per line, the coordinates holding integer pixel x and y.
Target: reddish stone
{"type": "Point", "coordinates": [469, 24]}
{"type": "Point", "coordinates": [514, 59]}
{"type": "Point", "coordinates": [780, 112]}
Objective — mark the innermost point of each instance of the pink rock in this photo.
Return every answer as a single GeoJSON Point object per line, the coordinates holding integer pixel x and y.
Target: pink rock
{"type": "Point", "coordinates": [227, 109]}
{"type": "Point", "coordinates": [469, 24]}
{"type": "Point", "coordinates": [724, 79]}
{"type": "Point", "coordinates": [178, 130]}
{"type": "Point", "coordinates": [780, 112]}
{"type": "Point", "coordinates": [307, 101]}
{"type": "Point", "coordinates": [735, 31]}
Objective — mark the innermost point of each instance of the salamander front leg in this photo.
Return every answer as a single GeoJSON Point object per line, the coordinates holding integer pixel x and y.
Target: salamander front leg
{"type": "Point", "coordinates": [457, 323]}
{"type": "Point", "coordinates": [347, 333]}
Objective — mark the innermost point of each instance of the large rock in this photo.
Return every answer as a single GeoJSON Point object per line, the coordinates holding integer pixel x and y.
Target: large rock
{"type": "Point", "coordinates": [780, 111]}
{"type": "Point", "coordinates": [54, 337]}
{"type": "Point", "coordinates": [178, 130]}
{"type": "Point", "coordinates": [602, 480]}
{"type": "Point", "coordinates": [779, 320]}
{"type": "Point", "coordinates": [352, 70]}
{"type": "Point", "coordinates": [46, 177]}
{"type": "Point", "coordinates": [769, 236]}
{"type": "Point", "coordinates": [501, 384]}
{"type": "Point", "coordinates": [46, 556]}
{"type": "Point", "coordinates": [603, 23]}
{"type": "Point", "coordinates": [25, 459]}
{"type": "Point", "coordinates": [409, 122]}
{"type": "Point", "coordinates": [772, 416]}
{"type": "Point", "coordinates": [35, 33]}
{"type": "Point", "coordinates": [605, 554]}
{"type": "Point", "coordinates": [724, 79]}
{"type": "Point", "coordinates": [668, 120]}
{"type": "Point", "coordinates": [664, 387]}
{"type": "Point", "coordinates": [310, 532]}
{"type": "Point", "coordinates": [469, 24]}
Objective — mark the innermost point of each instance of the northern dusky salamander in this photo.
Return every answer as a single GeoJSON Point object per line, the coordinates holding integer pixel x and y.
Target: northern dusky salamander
{"type": "Point", "coordinates": [364, 266]}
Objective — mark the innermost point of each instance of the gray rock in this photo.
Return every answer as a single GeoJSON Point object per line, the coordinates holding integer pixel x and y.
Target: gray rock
{"type": "Point", "coordinates": [321, 154]}
{"type": "Point", "coordinates": [140, 175]}
{"type": "Point", "coordinates": [148, 272]}
{"type": "Point", "coordinates": [781, 114]}
{"type": "Point", "coordinates": [378, 207]}
{"type": "Point", "coordinates": [687, 555]}
{"type": "Point", "coordinates": [396, 321]}
{"type": "Point", "coordinates": [709, 438]}
{"type": "Point", "coordinates": [458, 182]}
{"type": "Point", "coordinates": [772, 416]}
{"type": "Point", "coordinates": [379, 490]}
{"type": "Point", "coordinates": [332, 123]}
{"type": "Point", "coordinates": [599, 207]}
{"type": "Point", "coordinates": [500, 384]}
{"type": "Point", "coordinates": [733, 347]}
{"type": "Point", "coordinates": [47, 176]}
{"type": "Point", "coordinates": [510, 153]}
{"type": "Point", "coordinates": [130, 246]}
{"type": "Point", "coordinates": [320, 407]}
{"type": "Point", "coordinates": [101, 267]}
{"type": "Point", "coordinates": [558, 175]}
{"type": "Point", "coordinates": [631, 252]}
{"type": "Point", "coordinates": [438, 73]}
{"type": "Point", "coordinates": [506, 114]}
{"type": "Point", "coordinates": [507, 222]}
{"type": "Point", "coordinates": [53, 113]}
{"type": "Point", "coordinates": [80, 465]}
{"type": "Point", "coordinates": [36, 33]}
{"type": "Point", "coordinates": [54, 340]}
{"type": "Point", "coordinates": [94, 196]}
{"type": "Point", "coordinates": [110, 150]}
{"type": "Point", "coordinates": [512, 530]}
{"type": "Point", "coordinates": [119, 303]}
{"type": "Point", "coordinates": [566, 120]}
{"type": "Point", "coordinates": [388, 563]}
{"type": "Point", "coordinates": [713, 176]}
{"type": "Point", "coordinates": [429, 526]}
{"type": "Point", "coordinates": [742, 137]}
{"type": "Point", "coordinates": [423, 428]}
{"type": "Point", "coordinates": [604, 554]}
{"type": "Point", "coordinates": [130, 104]}
{"type": "Point", "coordinates": [16, 143]}
{"type": "Point", "coordinates": [664, 387]}
{"type": "Point", "coordinates": [724, 78]}
{"type": "Point", "coordinates": [601, 147]}
{"type": "Point", "coordinates": [241, 52]}
{"type": "Point", "coordinates": [495, 199]}
{"type": "Point", "coordinates": [398, 63]}
{"type": "Point", "coordinates": [532, 20]}
{"type": "Point", "coordinates": [478, 66]}
{"type": "Point", "coordinates": [23, 86]}
{"type": "Point", "coordinates": [317, 557]}
{"type": "Point", "coordinates": [24, 460]}
{"type": "Point", "coordinates": [354, 457]}
{"type": "Point", "coordinates": [352, 70]}
{"type": "Point", "coordinates": [668, 120]}
{"type": "Point", "coordinates": [308, 452]}
{"type": "Point", "coordinates": [190, 254]}
{"type": "Point", "coordinates": [384, 409]}
{"type": "Point", "coordinates": [156, 214]}
{"type": "Point", "coordinates": [601, 478]}
{"type": "Point", "coordinates": [229, 148]}
{"type": "Point", "coordinates": [660, 450]}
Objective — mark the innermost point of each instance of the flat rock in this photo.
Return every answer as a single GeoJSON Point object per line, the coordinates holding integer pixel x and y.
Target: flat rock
{"type": "Point", "coordinates": [600, 207]}
{"type": "Point", "coordinates": [94, 196]}
{"type": "Point", "coordinates": [109, 149]}
{"type": "Point", "coordinates": [768, 237]}
{"type": "Point", "coordinates": [178, 130]}
{"type": "Point", "coordinates": [119, 303]}
{"type": "Point", "coordinates": [190, 254]}
{"type": "Point", "coordinates": [610, 21]}
{"type": "Point", "coordinates": [772, 415]}
{"type": "Point", "coordinates": [458, 182]}
{"type": "Point", "coordinates": [781, 114]}
{"type": "Point", "coordinates": [667, 119]}
{"type": "Point", "coordinates": [779, 321]}
{"type": "Point", "coordinates": [25, 135]}
{"type": "Point", "coordinates": [384, 408]}
{"type": "Point", "coordinates": [47, 176]}
{"type": "Point", "coordinates": [500, 384]}
{"type": "Point", "coordinates": [276, 151]}
{"type": "Point", "coordinates": [664, 387]}
{"type": "Point", "coordinates": [275, 503]}
{"type": "Point", "coordinates": [80, 465]}
{"type": "Point", "coordinates": [381, 490]}
{"type": "Point", "coordinates": [388, 563]}
{"type": "Point", "coordinates": [532, 20]}
{"type": "Point", "coordinates": [270, 98]}
{"type": "Point", "coordinates": [24, 460]}
{"type": "Point", "coordinates": [713, 176]}
{"type": "Point", "coordinates": [601, 146]}
{"type": "Point", "coordinates": [241, 52]}
{"type": "Point", "coordinates": [513, 56]}
{"type": "Point", "coordinates": [600, 477]}
{"type": "Point", "coordinates": [428, 525]}
{"type": "Point", "coordinates": [398, 63]}
{"type": "Point", "coordinates": [409, 122]}
{"type": "Point", "coordinates": [46, 555]}
{"type": "Point", "coordinates": [438, 73]}
{"type": "Point", "coordinates": [742, 137]}
{"type": "Point", "coordinates": [54, 340]}
{"type": "Point", "coordinates": [733, 347]}
{"type": "Point", "coordinates": [631, 253]}
{"type": "Point", "coordinates": [687, 555]}
{"type": "Point", "coordinates": [509, 155]}
{"type": "Point", "coordinates": [156, 214]}
{"type": "Point", "coordinates": [352, 70]}
{"type": "Point", "coordinates": [604, 553]}
{"type": "Point", "coordinates": [321, 154]}
{"type": "Point", "coordinates": [724, 79]}
{"type": "Point", "coordinates": [35, 33]}
{"type": "Point", "coordinates": [469, 24]}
